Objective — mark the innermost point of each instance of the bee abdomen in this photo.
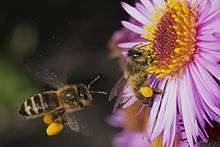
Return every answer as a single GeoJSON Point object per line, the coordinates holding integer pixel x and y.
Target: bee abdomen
{"type": "Point", "coordinates": [32, 106]}
{"type": "Point", "coordinates": [50, 101]}
{"type": "Point", "coordinates": [38, 104]}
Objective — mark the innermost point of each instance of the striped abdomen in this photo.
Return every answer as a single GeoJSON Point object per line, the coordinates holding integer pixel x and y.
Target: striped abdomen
{"type": "Point", "coordinates": [39, 104]}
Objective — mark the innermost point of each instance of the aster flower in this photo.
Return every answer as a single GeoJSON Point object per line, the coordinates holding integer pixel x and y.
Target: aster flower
{"type": "Point", "coordinates": [133, 124]}
{"type": "Point", "coordinates": [185, 34]}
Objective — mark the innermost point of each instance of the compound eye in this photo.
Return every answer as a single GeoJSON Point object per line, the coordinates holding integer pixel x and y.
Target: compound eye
{"type": "Point", "coordinates": [70, 96]}
{"type": "Point", "coordinates": [134, 54]}
{"type": "Point", "coordinates": [81, 94]}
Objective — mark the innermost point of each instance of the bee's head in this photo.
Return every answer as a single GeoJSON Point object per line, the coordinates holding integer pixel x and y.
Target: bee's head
{"type": "Point", "coordinates": [140, 56]}
{"type": "Point", "coordinates": [77, 93]}
{"type": "Point", "coordinates": [69, 93]}
{"type": "Point", "coordinates": [84, 92]}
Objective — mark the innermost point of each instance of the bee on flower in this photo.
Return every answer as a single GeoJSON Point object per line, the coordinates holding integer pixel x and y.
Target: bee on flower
{"type": "Point", "coordinates": [184, 35]}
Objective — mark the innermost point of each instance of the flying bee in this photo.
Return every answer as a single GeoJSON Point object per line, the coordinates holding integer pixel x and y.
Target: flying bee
{"type": "Point", "coordinates": [140, 57]}
{"type": "Point", "coordinates": [59, 103]}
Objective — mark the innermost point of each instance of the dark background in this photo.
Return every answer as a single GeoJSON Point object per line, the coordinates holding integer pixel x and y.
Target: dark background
{"type": "Point", "coordinates": [65, 37]}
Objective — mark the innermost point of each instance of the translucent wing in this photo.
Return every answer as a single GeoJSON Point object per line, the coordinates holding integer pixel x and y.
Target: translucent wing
{"type": "Point", "coordinates": [73, 123]}
{"type": "Point", "coordinates": [48, 72]}
{"type": "Point", "coordinates": [117, 88]}
{"type": "Point", "coordinates": [84, 121]}
{"type": "Point", "coordinates": [121, 91]}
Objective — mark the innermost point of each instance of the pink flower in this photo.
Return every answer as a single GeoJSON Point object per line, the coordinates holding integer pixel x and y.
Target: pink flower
{"type": "Point", "coordinates": [185, 34]}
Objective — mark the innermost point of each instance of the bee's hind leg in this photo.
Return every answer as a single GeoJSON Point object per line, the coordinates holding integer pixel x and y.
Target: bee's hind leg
{"type": "Point", "coordinates": [55, 122]}
{"type": "Point", "coordinates": [147, 102]}
{"type": "Point", "coordinates": [58, 115]}
{"type": "Point", "coordinates": [158, 91]}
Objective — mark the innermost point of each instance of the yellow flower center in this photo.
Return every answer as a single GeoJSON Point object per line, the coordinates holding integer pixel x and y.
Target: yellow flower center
{"type": "Point", "coordinates": [173, 38]}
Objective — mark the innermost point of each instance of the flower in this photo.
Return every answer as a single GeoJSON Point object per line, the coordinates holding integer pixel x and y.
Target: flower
{"type": "Point", "coordinates": [185, 35]}
{"type": "Point", "coordinates": [133, 119]}
{"type": "Point", "coordinates": [133, 122]}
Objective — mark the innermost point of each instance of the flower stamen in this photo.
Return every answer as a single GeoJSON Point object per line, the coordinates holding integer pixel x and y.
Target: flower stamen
{"type": "Point", "coordinates": [173, 38]}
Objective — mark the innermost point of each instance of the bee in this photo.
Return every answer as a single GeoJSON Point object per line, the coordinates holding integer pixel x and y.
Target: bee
{"type": "Point", "coordinates": [135, 77]}
{"type": "Point", "coordinates": [59, 103]}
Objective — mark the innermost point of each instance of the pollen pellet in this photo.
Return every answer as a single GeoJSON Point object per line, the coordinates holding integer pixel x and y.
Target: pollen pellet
{"type": "Point", "coordinates": [54, 128]}
{"type": "Point", "coordinates": [47, 119]}
{"type": "Point", "coordinates": [146, 92]}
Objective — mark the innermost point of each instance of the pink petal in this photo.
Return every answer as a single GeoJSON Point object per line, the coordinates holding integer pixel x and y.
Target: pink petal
{"type": "Point", "coordinates": [205, 10]}
{"type": "Point", "coordinates": [117, 119]}
{"type": "Point", "coordinates": [209, 45]}
{"type": "Point", "coordinates": [188, 112]}
{"type": "Point", "coordinates": [130, 139]}
{"type": "Point", "coordinates": [206, 38]}
{"type": "Point", "coordinates": [209, 83]}
{"type": "Point", "coordinates": [143, 10]}
{"type": "Point", "coordinates": [209, 55]}
{"type": "Point", "coordinates": [210, 28]}
{"type": "Point", "coordinates": [133, 28]}
{"type": "Point", "coordinates": [155, 109]}
{"type": "Point", "coordinates": [160, 3]}
{"type": "Point", "coordinates": [215, 6]}
{"type": "Point", "coordinates": [135, 14]}
{"type": "Point", "coordinates": [167, 112]}
{"type": "Point", "coordinates": [129, 44]}
{"type": "Point", "coordinates": [216, 35]}
{"type": "Point", "coordinates": [212, 17]}
{"type": "Point", "coordinates": [169, 131]}
{"type": "Point", "coordinates": [148, 5]}
{"type": "Point", "coordinates": [207, 97]}
{"type": "Point", "coordinates": [195, 3]}
{"type": "Point", "coordinates": [212, 68]}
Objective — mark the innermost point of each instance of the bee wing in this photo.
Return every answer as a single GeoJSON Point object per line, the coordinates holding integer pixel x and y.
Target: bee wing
{"type": "Point", "coordinates": [73, 123]}
{"type": "Point", "coordinates": [119, 92]}
{"type": "Point", "coordinates": [123, 97]}
{"type": "Point", "coordinates": [117, 88]}
{"type": "Point", "coordinates": [83, 122]}
{"type": "Point", "coordinates": [47, 72]}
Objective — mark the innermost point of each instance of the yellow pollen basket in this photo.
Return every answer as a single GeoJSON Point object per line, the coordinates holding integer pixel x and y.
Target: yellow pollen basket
{"type": "Point", "coordinates": [54, 128]}
{"type": "Point", "coordinates": [47, 119]}
{"type": "Point", "coordinates": [147, 92]}
{"type": "Point", "coordinates": [173, 38]}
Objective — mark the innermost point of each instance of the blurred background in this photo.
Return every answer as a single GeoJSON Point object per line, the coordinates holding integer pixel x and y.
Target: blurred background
{"type": "Point", "coordinates": [66, 37]}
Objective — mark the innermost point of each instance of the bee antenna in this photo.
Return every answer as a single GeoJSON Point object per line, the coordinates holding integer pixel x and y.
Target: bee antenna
{"type": "Point", "coordinates": [99, 92]}
{"type": "Point", "coordinates": [93, 81]}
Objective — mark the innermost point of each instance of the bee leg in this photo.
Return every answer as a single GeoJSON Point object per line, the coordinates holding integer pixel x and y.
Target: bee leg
{"type": "Point", "coordinates": [57, 122]}
{"type": "Point", "coordinates": [158, 91]}
{"type": "Point", "coordinates": [80, 104]}
{"type": "Point", "coordinates": [148, 102]}
{"type": "Point", "coordinates": [58, 115]}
